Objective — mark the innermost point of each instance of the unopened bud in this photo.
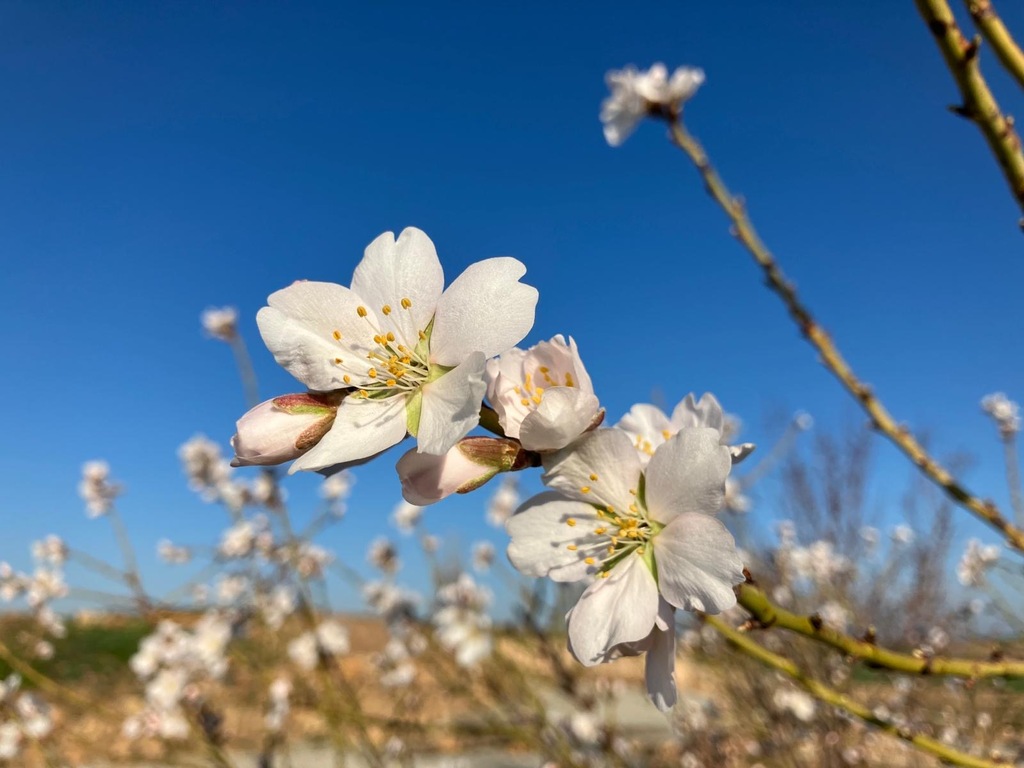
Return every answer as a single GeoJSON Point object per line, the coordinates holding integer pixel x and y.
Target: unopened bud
{"type": "Point", "coordinates": [468, 465]}
{"type": "Point", "coordinates": [282, 429]}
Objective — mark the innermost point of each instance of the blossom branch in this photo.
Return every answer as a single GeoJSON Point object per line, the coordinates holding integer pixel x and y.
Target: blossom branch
{"type": "Point", "coordinates": [899, 435]}
{"type": "Point", "coordinates": [768, 615]}
{"type": "Point", "coordinates": [979, 105]}
{"type": "Point", "coordinates": [998, 36]}
{"type": "Point", "coordinates": [828, 695]}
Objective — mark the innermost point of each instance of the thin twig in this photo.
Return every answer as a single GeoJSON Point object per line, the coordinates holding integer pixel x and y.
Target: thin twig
{"type": "Point", "coordinates": [824, 693]}
{"type": "Point", "coordinates": [768, 615]}
{"type": "Point", "coordinates": [998, 36]}
{"type": "Point", "coordinates": [979, 105]}
{"type": "Point", "coordinates": [883, 421]}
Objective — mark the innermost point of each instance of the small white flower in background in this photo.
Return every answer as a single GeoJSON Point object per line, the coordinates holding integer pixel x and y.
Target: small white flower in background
{"type": "Point", "coordinates": [278, 705]}
{"type": "Point", "coordinates": [406, 516]}
{"type": "Point", "coordinates": [336, 489]}
{"type": "Point", "coordinates": [648, 535]}
{"type": "Point", "coordinates": [49, 551]}
{"type": "Point", "coordinates": [172, 554]}
{"type": "Point", "coordinates": [649, 427]}
{"type": "Point", "coordinates": [412, 351]}
{"type": "Point", "coordinates": [503, 502]}
{"type": "Point", "coordinates": [735, 500]}
{"type": "Point", "coordinates": [975, 562]}
{"type": "Point", "coordinates": [220, 323]}
{"type": "Point", "coordinates": [543, 395]}
{"type": "Point", "coordinates": [330, 639]}
{"type": "Point", "coordinates": [797, 703]}
{"type": "Point", "coordinates": [383, 555]}
{"type": "Point", "coordinates": [903, 534]}
{"type": "Point", "coordinates": [835, 615]}
{"type": "Point", "coordinates": [462, 624]}
{"type": "Point", "coordinates": [483, 556]}
{"type": "Point", "coordinates": [1005, 413]}
{"type": "Point", "coordinates": [96, 490]}
{"type": "Point", "coordinates": [636, 94]}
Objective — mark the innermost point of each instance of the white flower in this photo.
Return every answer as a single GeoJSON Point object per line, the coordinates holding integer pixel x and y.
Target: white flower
{"type": "Point", "coordinates": [649, 427]}
{"type": "Point", "coordinates": [503, 503]}
{"type": "Point", "coordinates": [413, 354]}
{"type": "Point", "coordinates": [975, 562]}
{"type": "Point", "coordinates": [96, 490]}
{"type": "Point", "coordinates": [543, 396]}
{"type": "Point", "coordinates": [648, 535]}
{"type": "Point", "coordinates": [636, 94]}
{"type": "Point", "coordinates": [903, 534]}
{"type": "Point", "coordinates": [406, 516]}
{"type": "Point", "coordinates": [220, 323]}
{"type": "Point", "coordinates": [1003, 411]}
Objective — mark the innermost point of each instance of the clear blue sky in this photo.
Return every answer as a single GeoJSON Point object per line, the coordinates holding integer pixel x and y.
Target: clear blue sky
{"type": "Point", "coordinates": [161, 158]}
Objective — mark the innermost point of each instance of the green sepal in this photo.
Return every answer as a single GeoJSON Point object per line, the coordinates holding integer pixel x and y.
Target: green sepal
{"type": "Point", "coordinates": [413, 410]}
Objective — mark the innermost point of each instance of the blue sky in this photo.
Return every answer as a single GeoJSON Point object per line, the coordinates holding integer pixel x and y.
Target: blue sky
{"type": "Point", "coordinates": [159, 159]}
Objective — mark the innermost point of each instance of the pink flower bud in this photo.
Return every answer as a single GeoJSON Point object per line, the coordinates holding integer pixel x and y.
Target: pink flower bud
{"type": "Point", "coordinates": [282, 429]}
{"type": "Point", "coordinates": [471, 463]}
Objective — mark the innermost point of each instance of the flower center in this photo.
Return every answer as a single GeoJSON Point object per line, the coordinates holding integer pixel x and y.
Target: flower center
{"type": "Point", "coordinates": [395, 359]}
{"type": "Point", "coordinates": [621, 533]}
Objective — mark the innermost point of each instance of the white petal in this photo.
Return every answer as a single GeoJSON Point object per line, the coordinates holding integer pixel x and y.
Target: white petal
{"type": "Point", "coordinates": [648, 427]}
{"type": "Point", "coordinates": [705, 412]}
{"type": "Point", "coordinates": [298, 328]}
{"type": "Point", "coordinates": [619, 609]}
{"type": "Point", "coordinates": [361, 429]}
{"type": "Point", "coordinates": [660, 663]}
{"type": "Point", "coordinates": [687, 474]}
{"type": "Point", "coordinates": [606, 454]}
{"type": "Point", "coordinates": [697, 564]}
{"type": "Point", "coordinates": [404, 269]}
{"type": "Point", "coordinates": [486, 309]}
{"type": "Point", "coordinates": [540, 537]}
{"type": "Point", "coordinates": [451, 406]}
{"type": "Point", "coordinates": [563, 415]}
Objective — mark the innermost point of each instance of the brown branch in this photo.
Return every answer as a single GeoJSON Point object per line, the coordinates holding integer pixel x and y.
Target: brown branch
{"type": "Point", "coordinates": [899, 435]}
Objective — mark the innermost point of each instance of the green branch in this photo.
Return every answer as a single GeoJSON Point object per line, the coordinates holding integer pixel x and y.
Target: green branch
{"type": "Point", "coordinates": [822, 692]}
{"type": "Point", "coordinates": [767, 615]}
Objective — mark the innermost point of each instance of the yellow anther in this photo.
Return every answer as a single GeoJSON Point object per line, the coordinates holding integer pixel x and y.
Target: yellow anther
{"type": "Point", "coordinates": [572, 547]}
{"type": "Point", "coordinates": [391, 336]}
{"type": "Point", "coordinates": [570, 522]}
{"type": "Point", "coordinates": [372, 373]}
{"type": "Point", "coordinates": [585, 489]}
{"type": "Point", "coordinates": [386, 309]}
{"type": "Point", "coordinates": [361, 311]}
{"type": "Point", "coordinates": [593, 477]}
{"type": "Point", "coordinates": [392, 382]}
{"type": "Point", "coordinates": [406, 303]}
{"type": "Point", "coordinates": [589, 560]}
{"type": "Point", "coordinates": [347, 379]}
{"type": "Point", "coordinates": [337, 335]}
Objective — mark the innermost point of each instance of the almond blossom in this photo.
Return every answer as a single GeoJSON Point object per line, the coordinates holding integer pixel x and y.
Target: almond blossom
{"type": "Point", "coordinates": [636, 94]}
{"type": "Point", "coordinates": [646, 535]}
{"type": "Point", "coordinates": [412, 352]}
{"type": "Point", "coordinates": [543, 395]}
{"type": "Point", "coordinates": [649, 426]}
